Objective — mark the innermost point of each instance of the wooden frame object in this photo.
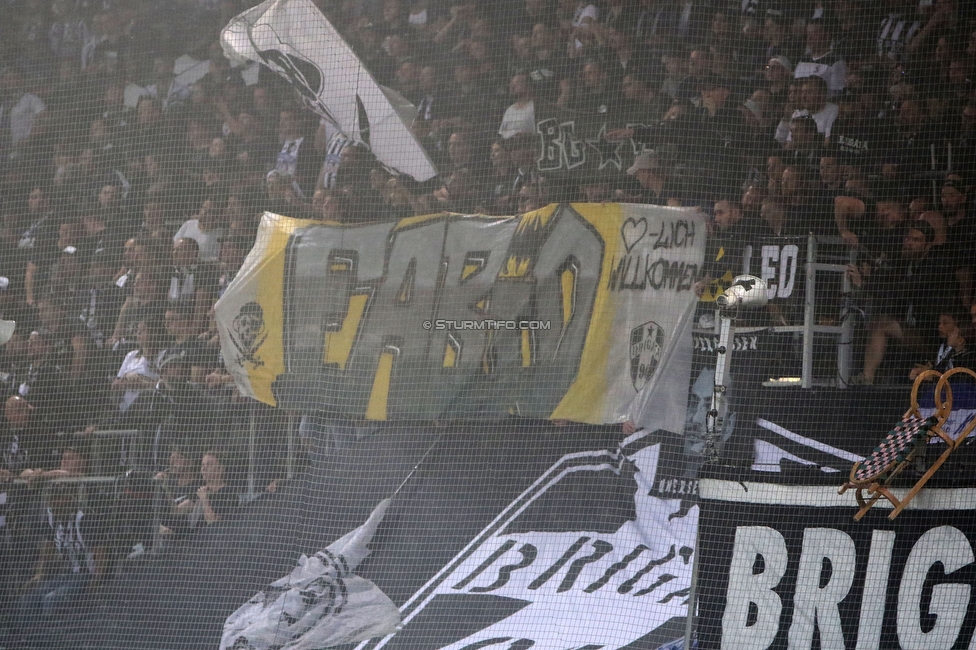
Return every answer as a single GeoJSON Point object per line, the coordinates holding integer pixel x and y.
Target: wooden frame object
{"type": "Point", "coordinates": [907, 442]}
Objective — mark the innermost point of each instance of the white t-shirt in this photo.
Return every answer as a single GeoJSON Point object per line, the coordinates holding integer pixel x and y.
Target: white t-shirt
{"type": "Point", "coordinates": [209, 242]}
{"type": "Point", "coordinates": [134, 92]}
{"type": "Point", "coordinates": [23, 114]}
{"type": "Point", "coordinates": [518, 120]}
{"type": "Point", "coordinates": [134, 362]}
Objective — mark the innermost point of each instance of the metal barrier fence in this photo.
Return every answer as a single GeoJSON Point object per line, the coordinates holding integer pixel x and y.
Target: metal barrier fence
{"type": "Point", "coordinates": [115, 451]}
{"type": "Point", "coordinates": [831, 260]}
{"type": "Point", "coordinates": [821, 256]}
{"type": "Point", "coordinates": [132, 507]}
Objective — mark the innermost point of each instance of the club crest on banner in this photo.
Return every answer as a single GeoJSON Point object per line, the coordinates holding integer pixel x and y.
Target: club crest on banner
{"type": "Point", "coordinates": [646, 348]}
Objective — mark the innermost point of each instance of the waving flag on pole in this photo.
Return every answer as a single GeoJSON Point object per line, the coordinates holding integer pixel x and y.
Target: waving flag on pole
{"type": "Point", "coordinates": [294, 39]}
{"type": "Point", "coordinates": [320, 604]}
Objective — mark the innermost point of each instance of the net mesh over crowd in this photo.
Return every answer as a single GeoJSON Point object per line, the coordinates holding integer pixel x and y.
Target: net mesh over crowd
{"type": "Point", "coordinates": [487, 324]}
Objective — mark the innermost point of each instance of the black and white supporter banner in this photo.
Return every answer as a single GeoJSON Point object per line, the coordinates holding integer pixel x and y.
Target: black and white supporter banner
{"type": "Point", "coordinates": [781, 566]}
{"type": "Point", "coordinates": [612, 523]}
{"type": "Point", "coordinates": [534, 580]}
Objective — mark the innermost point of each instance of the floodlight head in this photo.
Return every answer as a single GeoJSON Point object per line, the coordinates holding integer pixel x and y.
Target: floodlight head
{"type": "Point", "coordinates": [7, 328]}
{"type": "Point", "coordinates": [746, 292]}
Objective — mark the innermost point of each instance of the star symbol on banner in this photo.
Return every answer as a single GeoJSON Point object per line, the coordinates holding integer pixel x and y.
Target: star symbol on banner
{"type": "Point", "coordinates": [609, 151]}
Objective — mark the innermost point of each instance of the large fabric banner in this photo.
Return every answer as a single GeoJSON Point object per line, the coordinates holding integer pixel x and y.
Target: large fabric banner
{"type": "Point", "coordinates": [508, 537]}
{"type": "Point", "coordinates": [579, 312]}
{"type": "Point", "coordinates": [781, 566]}
{"type": "Point", "coordinates": [295, 40]}
{"type": "Point", "coordinates": [548, 582]}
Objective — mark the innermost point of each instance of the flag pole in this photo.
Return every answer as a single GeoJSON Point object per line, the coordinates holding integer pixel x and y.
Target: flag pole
{"type": "Point", "coordinates": [419, 463]}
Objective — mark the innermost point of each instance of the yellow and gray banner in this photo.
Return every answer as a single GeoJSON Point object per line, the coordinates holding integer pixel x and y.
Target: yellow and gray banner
{"type": "Point", "coordinates": [575, 311]}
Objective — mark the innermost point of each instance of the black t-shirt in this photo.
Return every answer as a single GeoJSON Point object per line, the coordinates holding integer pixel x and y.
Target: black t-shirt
{"type": "Point", "coordinates": [192, 351]}
{"type": "Point", "coordinates": [478, 106]}
{"type": "Point", "coordinates": [948, 358]}
{"type": "Point", "coordinates": [62, 349]}
{"type": "Point", "coordinates": [672, 189]}
{"type": "Point", "coordinates": [260, 153]}
{"type": "Point", "coordinates": [129, 319]}
{"type": "Point", "coordinates": [11, 374]}
{"type": "Point", "coordinates": [879, 242]}
{"type": "Point", "coordinates": [98, 311]}
{"type": "Point", "coordinates": [224, 502]}
{"type": "Point", "coordinates": [180, 493]}
{"type": "Point", "coordinates": [605, 103]}
{"type": "Point", "coordinates": [183, 492]}
{"type": "Point", "coordinates": [913, 291]}
{"type": "Point", "coordinates": [789, 229]}
{"type": "Point", "coordinates": [910, 151]}
{"type": "Point", "coordinates": [13, 264]}
{"type": "Point", "coordinates": [32, 448]}
{"type": "Point", "coordinates": [960, 243]}
{"type": "Point", "coordinates": [39, 242]}
{"type": "Point", "coordinates": [42, 385]}
{"type": "Point", "coordinates": [184, 283]}
{"type": "Point", "coordinates": [111, 239]}
{"type": "Point", "coordinates": [724, 249]}
{"type": "Point", "coordinates": [194, 415]}
{"type": "Point", "coordinates": [817, 214]}
{"type": "Point", "coordinates": [808, 158]}
{"type": "Point", "coordinates": [862, 143]}
{"type": "Point", "coordinates": [777, 101]}
{"type": "Point", "coordinates": [545, 75]}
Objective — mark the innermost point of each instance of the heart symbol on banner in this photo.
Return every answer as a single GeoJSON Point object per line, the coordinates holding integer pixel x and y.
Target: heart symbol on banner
{"type": "Point", "coordinates": [633, 231]}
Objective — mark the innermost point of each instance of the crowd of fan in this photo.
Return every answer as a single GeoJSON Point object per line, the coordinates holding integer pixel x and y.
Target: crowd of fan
{"type": "Point", "coordinates": [136, 161]}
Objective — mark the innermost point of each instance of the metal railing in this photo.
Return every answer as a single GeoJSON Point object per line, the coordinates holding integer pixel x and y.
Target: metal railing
{"type": "Point", "coordinates": [115, 518]}
{"type": "Point", "coordinates": [810, 329]}
{"type": "Point", "coordinates": [817, 263]}
{"type": "Point", "coordinates": [130, 451]}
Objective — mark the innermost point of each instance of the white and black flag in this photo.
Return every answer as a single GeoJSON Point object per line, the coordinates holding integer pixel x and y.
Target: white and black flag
{"type": "Point", "coordinates": [320, 604]}
{"type": "Point", "coordinates": [294, 39]}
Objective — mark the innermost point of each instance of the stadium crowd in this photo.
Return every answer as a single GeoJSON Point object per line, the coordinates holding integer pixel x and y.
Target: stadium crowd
{"type": "Point", "coordinates": [136, 161]}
